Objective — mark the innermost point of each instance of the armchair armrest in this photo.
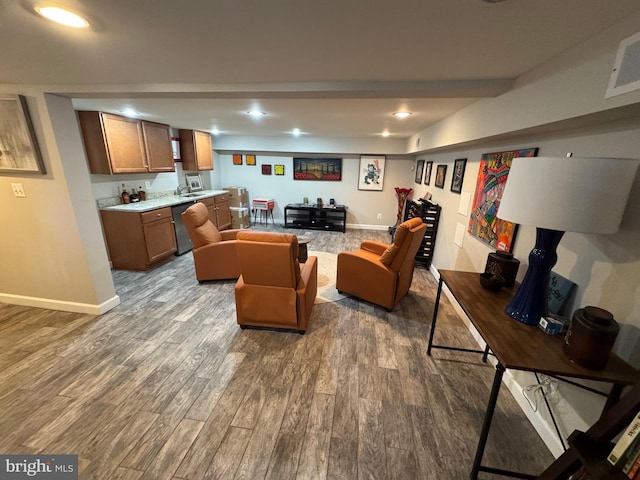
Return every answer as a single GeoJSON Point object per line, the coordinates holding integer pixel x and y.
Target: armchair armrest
{"type": "Point", "coordinates": [374, 247]}
{"type": "Point", "coordinates": [229, 234]}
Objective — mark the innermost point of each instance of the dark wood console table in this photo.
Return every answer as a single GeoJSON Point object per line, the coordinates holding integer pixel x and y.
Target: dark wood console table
{"type": "Point", "coordinates": [519, 347]}
{"type": "Point", "coordinates": [314, 217]}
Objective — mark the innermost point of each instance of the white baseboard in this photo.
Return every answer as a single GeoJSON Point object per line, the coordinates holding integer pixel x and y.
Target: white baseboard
{"type": "Point", "coordinates": [544, 430]}
{"type": "Point", "coordinates": [354, 226]}
{"type": "Point", "coordinates": [361, 226]}
{"type": "Point", "coordinates": [63, 306]}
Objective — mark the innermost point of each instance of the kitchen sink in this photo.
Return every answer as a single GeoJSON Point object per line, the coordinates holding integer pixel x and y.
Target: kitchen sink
{"type": "Point", "coordinates": [192, 195]}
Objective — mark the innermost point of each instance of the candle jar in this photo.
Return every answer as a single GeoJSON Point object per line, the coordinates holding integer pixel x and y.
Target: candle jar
{"type": "Point", "coordinates": [504, 265]}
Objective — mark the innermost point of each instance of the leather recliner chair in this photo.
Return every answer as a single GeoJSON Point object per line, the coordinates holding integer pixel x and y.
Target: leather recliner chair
{"type": "Point", "coordinates": [214, 251]}
{"type": "Point", "coordinates": [381, 273]}
{"type": "Point", "coordinates": [274, 289]}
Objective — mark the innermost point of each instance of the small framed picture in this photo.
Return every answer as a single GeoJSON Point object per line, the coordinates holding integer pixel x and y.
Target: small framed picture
{"type": "Point", "coordinates": [194, 182]}
{"type": "Point", "coordinates": [251, 159]}
{"type": "Point", "coordinates": [458, 175]}
{"type": "Point", "coordinates": [419, 170]}
{"type": "Point", "coordinates": [237, 159]}
{"type": "Point", "coordinates": [427, 172]}
{"type": "Point", "coordinates": [371, 174]}
{"type": "Point", "coordinates": [266, 169]}
{"type": "Point", "coordinates": [441, 173]}
{"type": "Point", "coordinates": [279, 169]}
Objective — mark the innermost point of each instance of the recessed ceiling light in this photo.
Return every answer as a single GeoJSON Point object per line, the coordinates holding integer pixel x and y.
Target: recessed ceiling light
{"type": "Point", "coordinates": [385, 133]}
{"type": "Point", "coordinates": [215, 131]}
{"type": "Point", "coordinates": [129, 112]}
{"type": "Point", "coordinates": [256, 113]}
{"type": "Point", "coordinates": [296, 132]}
{"type": "Point", "coordinates": [402, 114]}
{"type": "Point", "coordinates": [61, 16]}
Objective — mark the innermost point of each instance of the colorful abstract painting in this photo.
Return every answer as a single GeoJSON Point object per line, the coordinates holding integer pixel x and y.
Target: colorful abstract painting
{"type": "Point", "coordinates": [317, 169]}
{"type": "Point", "coordinates": [492, 175]}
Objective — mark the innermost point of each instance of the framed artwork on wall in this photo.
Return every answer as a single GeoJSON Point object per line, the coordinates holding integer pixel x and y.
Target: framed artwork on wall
{"type": "Point", "coordinates": [371, 172]}
{"type": "Point", "coordinates": [419, 170]}
{"type": "Point", "coordinates": [458, 175]}
{"type": "Point", "coordinates": [441, 173]}
{"type": "Point", "coordinates": [266, 169]}
{"type": "Point", "coordinates": [251, 159]}
{"type": "Point", "coordinates": [19, 149]}
{"type": "Point", "coordinates": [279, 169]}
{"type": "Point", "coordinates": [492, 177]}
{"type": "Point", "coordinates": [427, 172]}
{"type": "Point", "coordinates": [326, 169]}
{"type": "Point", "coordinates": [237, 159]}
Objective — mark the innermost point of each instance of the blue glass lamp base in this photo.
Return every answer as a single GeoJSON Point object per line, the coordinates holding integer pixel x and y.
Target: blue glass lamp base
{"type": "Point", "coordinates": [529, 304]}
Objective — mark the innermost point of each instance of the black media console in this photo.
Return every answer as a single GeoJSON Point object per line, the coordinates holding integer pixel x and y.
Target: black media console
{"type": "Point", "coordinates": [300, 215]}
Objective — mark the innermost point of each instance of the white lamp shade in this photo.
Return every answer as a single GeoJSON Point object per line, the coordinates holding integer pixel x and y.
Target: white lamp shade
{"type": "Point", "coordinates": [568, 194]}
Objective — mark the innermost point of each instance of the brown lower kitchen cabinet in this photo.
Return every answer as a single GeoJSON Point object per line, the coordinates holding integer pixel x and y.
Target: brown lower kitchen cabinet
{"type": "Point", "coordinates": [219, 210]}
{"type": "Point", "coordinates": [139, 241]}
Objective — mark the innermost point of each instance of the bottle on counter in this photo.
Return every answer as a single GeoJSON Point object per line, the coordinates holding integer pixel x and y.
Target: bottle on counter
{"type": "Point", "coordinates": [125, 195]}
{"type": "Point", "coordinates": [142, 195]}
{"type": "Point", "coordinates": [134, 196]}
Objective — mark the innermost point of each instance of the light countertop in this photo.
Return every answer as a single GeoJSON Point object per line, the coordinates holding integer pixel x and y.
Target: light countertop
{"type": "Point", "coordinates": [161, 202]}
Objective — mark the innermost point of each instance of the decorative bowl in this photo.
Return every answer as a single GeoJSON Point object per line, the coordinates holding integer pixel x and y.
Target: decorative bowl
{"type": "Point", "coordinates": [491, 281]}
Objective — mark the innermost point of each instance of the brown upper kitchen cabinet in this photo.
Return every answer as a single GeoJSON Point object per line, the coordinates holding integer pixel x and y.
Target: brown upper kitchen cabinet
{"type": "Point", "coordinates": [117, 144]}
{"type": "Point", "coordinates": [157, 141]}
{"type": "Point", "coordinates": [196, 150]}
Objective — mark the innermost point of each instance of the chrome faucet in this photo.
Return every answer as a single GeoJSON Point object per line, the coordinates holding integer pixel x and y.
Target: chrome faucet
{"type": "Point", "coordinates": [181, 189]}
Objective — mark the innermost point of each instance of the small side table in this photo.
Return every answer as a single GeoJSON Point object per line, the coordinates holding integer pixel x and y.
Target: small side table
{"type": "Point", "coordinates": [263, 205]}
{"type": "Point", "coordinates": [303, 254]}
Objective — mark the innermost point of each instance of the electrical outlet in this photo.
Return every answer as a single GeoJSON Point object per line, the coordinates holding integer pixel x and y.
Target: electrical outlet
{"type": "Point", "coordinates": [379, 216]}
{"type": "Point", "coordinates": [18, 191]}
{"type": "Point", "coordinates": [147, 184]}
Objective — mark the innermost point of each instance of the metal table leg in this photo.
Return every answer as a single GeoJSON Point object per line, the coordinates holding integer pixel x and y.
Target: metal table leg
{"type": "Point", "coordinates": [435, 315]}
{"type": "Point", "coordinates": [488, 417]}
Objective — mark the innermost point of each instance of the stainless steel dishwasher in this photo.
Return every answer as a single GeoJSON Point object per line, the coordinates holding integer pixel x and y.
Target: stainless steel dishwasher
{"type": "Point", "coordinates": [182, 237]}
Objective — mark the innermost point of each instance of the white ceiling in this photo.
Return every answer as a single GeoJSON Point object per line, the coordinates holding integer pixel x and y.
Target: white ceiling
{"type": "Point", "coordinates": [336, 69]}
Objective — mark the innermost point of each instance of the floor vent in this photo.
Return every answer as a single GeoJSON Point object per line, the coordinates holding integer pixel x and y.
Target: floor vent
{"type": "Point", "coordinates": [625, 76]}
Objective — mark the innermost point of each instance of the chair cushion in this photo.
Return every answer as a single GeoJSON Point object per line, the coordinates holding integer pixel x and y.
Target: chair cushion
{"type": "Point", "coordinates": [204, 232]}
{"type": "Point", "coordinates": [398, 240]}
{"type": "Point", "coordinates": [277, 238]}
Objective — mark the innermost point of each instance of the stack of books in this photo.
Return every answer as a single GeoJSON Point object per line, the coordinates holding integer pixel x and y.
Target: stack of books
{"type": "Point", "coordinates": [626, 453]}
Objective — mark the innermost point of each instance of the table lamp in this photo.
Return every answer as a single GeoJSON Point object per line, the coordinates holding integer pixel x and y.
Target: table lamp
{"type": "Point", "coordinates": [557, 195]}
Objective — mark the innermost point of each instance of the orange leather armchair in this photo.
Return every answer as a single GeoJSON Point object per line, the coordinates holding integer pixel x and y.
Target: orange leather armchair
{"type": "Point", "coordinates": [214, 252]}
{"type": "Point", "coordinates": [274, 289]}
{"type": "Point", "coordinates": [381, 273]}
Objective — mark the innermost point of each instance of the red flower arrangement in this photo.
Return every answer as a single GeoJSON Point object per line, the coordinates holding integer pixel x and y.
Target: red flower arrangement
{"type": "Point", "coordinates": [402, 193]}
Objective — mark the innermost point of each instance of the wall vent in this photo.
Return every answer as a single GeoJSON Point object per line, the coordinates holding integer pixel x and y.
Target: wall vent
{"type": "Point", "coordinates": [625, 76]}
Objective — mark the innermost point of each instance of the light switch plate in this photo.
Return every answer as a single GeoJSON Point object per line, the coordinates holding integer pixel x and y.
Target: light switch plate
{"type": "Point", "coordinates": [18, 191]}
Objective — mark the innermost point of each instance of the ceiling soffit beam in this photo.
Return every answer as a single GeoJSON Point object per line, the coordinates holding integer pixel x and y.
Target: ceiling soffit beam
{"type": "Point", "coordinates": [431, 89]}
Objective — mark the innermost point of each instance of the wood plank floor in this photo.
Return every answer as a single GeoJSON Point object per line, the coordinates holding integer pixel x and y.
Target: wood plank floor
{"type": "Point", "coordinates": [167, 386]}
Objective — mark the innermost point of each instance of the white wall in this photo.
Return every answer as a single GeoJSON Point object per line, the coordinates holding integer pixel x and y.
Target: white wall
{"type": "Point", "coordinates": [566, 92]}
{"type": "Point", "coordinates": [363, 206]}
{"type": "Point", "coordinates": [52, 251]}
